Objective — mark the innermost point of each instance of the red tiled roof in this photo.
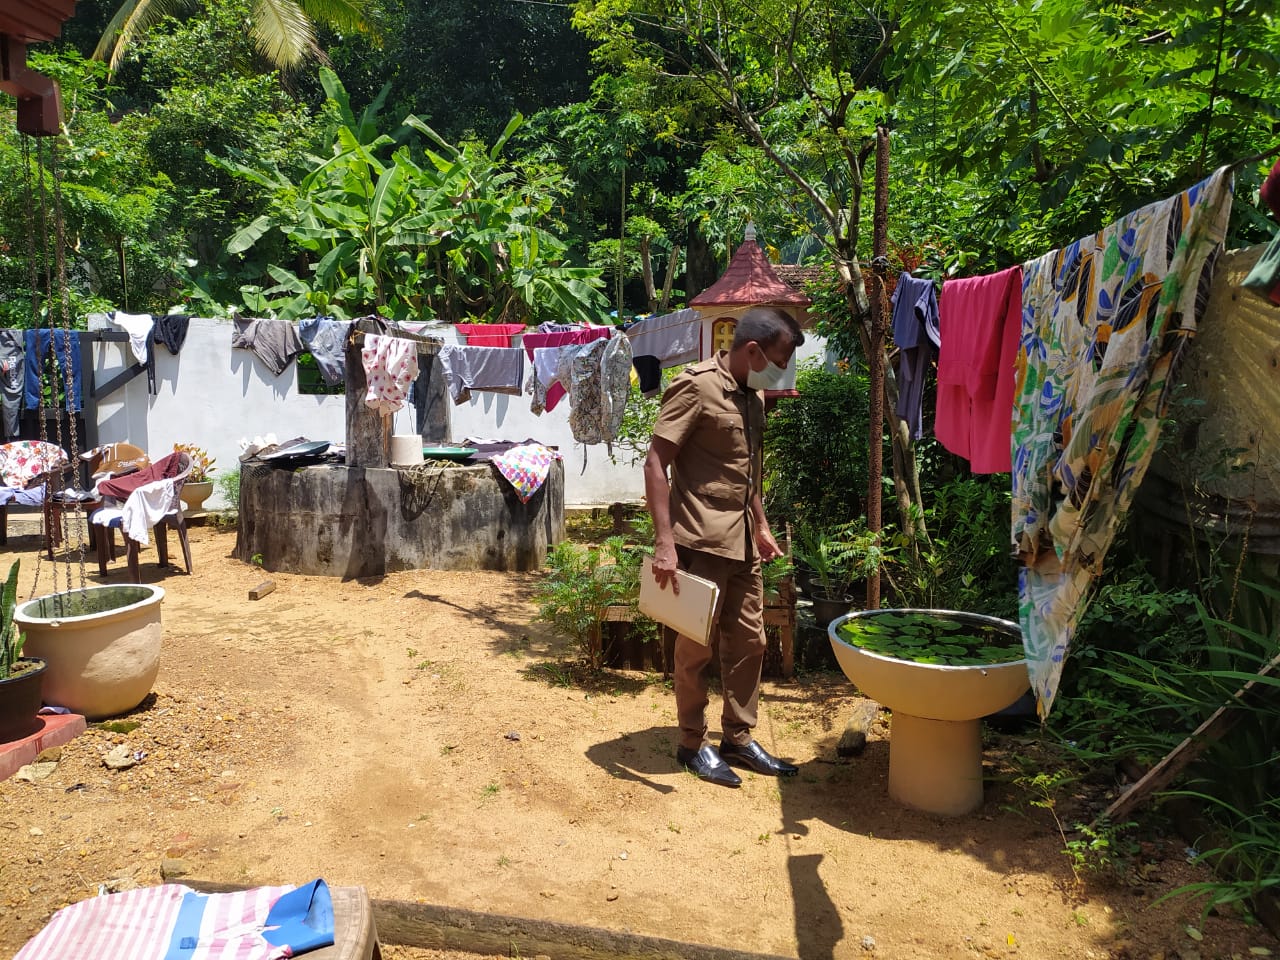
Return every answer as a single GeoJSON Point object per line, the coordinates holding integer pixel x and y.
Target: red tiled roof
{"type": "Point", "coordinates": [34, 21]}
{"type": "Point", "coordinates": [749, 279]}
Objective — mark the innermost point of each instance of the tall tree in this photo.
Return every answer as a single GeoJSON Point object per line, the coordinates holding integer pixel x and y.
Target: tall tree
{"type": "Point", "coordinates": [802, 83]}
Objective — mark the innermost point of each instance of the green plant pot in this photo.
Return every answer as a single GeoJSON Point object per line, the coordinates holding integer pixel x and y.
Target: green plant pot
{"type": "Point", "coordinates": [20, 700]}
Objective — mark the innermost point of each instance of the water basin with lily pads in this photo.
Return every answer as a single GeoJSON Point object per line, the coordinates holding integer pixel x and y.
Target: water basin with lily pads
{"type": "Point", "coordinates": [939, 672]}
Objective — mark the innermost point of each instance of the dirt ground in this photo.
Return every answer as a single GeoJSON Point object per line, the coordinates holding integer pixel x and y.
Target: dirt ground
{"type": "Point", "coordinates": [415, 734]}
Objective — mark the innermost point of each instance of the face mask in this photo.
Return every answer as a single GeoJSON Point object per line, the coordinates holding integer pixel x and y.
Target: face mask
{"type": "Point", "coordinates": [770, 378]}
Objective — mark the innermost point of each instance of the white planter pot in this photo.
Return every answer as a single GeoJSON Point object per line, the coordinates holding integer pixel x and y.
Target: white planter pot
{"type": "Point", "coordinates": [102, 645]}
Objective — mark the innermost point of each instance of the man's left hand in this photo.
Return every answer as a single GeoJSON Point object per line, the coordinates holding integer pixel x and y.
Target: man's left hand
{"type": "Point", "coordinates": [766, 546]}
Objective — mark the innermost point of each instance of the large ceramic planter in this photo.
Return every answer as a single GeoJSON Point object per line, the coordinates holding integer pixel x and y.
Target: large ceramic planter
{"type": "Point", "coordinates": [20, 702]}
{"type": "Point", "coordinates": [195, 494]}
{"type": "Point", "coordinates": [935, 743]}
{"type": "Point", "coordinates": [102, 645]}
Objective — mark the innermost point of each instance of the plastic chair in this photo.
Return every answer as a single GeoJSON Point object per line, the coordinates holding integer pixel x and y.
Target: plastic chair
{"type": "Point", "coordinates": [106, 520]}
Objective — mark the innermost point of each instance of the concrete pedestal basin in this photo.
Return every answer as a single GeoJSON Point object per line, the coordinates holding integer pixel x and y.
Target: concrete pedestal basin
{"type": "Point", "coordinates": [935, 744]}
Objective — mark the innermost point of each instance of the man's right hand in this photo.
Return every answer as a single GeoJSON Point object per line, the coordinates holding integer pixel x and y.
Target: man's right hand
{"type": "Point", "coordinates": [665, 567]}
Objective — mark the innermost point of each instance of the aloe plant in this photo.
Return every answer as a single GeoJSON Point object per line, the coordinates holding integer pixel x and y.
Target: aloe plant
{"type": "Point", "coordinates": [11, 638]}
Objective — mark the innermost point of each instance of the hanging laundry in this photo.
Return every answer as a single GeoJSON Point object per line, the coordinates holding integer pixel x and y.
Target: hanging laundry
{"type": "Point", "coordinates": [599, 379]}
{"type": "Point", "coordinates": [390, 367]}
{"type": "Point", "coordinates": [171, 330]}
{"type": "Point", "coordinates": [13, 352]}
{"type": "Point", "coordinates": [138, 326]}
{"type": "Point", "coordinates": [978, 323]}
{"type": "Point", "coordinates": [915, 331]}
{"type": "Point", "coordinates": [661, 342]}
{"type": "Point", "coordinates": [547, 391]}
{"type": "Point", "coordinates": [1264, 278]}
{"type": "Point", "coordinates": [549, 327]}
{"type": "Point", "coordinates": [274, 342]}
{"type": "Point", "coordinates": [526, 467]}
{"type": "Point", "coordinates": [1105, 322]}
{"type": "Point", "coordinates": [37, 348]}
{"type": "Point", "coordinates": [488, 334]}
{"type": "Point", "coordinates": [326, 339]}
{"type": "Point", "coordinates": [487, 369]}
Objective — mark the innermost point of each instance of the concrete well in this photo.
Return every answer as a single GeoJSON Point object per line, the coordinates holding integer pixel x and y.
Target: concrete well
{"type": "Point", "coordinates": [355, 522]}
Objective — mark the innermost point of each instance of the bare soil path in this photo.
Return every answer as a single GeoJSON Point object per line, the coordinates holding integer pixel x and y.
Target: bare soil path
{"type": "Point", "coordinates": [410, 735]}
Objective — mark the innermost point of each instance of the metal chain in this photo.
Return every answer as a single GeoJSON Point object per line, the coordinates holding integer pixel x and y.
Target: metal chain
{"type": "Point", "coordinates": [69, 380]}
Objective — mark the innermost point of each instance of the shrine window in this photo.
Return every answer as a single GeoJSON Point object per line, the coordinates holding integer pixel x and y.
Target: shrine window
{"type": "Point", "coordinates": [722, 334]}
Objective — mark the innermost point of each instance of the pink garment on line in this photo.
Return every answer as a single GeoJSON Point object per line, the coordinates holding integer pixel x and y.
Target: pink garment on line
{"type": "Point", "coordinates": [532, 341]}
{"type": "Point", "coordinates": [390, 367]}
{"type": "Point", "coordinates": [489, 334]}
{"type": "Point", "coordinates": [979, 319]}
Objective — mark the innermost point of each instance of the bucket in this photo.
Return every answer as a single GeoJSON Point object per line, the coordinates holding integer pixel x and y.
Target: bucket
{"type": "Point", "coordinates": [406, 450]}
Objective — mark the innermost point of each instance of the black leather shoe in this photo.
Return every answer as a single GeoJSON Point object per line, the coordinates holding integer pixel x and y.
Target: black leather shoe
{"type": "Point", "coordinates": [755, 757]}
{"type": "Point", "coordinates": [706, 763]}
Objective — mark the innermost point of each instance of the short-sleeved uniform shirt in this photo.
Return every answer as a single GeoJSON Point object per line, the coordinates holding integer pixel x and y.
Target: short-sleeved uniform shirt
{"type": "Point", "coordinates": [717, 426]}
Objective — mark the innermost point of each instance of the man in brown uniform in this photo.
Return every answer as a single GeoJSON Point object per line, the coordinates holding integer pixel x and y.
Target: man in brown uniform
{"type": "Point", "coordinates": [709, 521]}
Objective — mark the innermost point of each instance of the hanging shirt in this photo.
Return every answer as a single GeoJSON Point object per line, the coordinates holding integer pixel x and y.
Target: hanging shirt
{"type": "Point", "coordinates": [1105, 321]}
{"type": "Point", "coordinates": [490, 369]}
{"type": "Point", "coordinates": [599, 378]}
{"type": "Point", "coordinates": [915, 331]}
{"type": "Point", "coordinates": [326, 339]}
{"type": "Point", "coordinates": [390, 367]}
{"type": "Point", "coordinates": [543, 383]}
{"type": "Point", "coordinates": [37, 348]}
{"type": "Point", "coordinates": [13, 352]}
{"type": "Point", "coordinates": [978, 322]}
{"type": "Point", "coordinates": [138, 326]}
{"type": "Point", "coordinates": [171, 330]}
{"type": "Point", "coordinates": [274, 342]}
{"type": "Point", "coordinates": [661, 342]}
{"type": "Point", "coordinates": [488, 334]}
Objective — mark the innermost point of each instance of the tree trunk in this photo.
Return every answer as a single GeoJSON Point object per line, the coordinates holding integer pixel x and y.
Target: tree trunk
{"type": "Point", "coordinates": [665, 303]}
{"type": "Point", "coordinates": [646, 273]}
{"type": "Point", "coordinates": [906, 474]}
{"type": "Point", "coordinates": [876, 360]}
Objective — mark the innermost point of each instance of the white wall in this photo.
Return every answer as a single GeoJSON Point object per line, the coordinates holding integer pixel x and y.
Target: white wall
{"type": "Point", "coordinates": [212, 396]}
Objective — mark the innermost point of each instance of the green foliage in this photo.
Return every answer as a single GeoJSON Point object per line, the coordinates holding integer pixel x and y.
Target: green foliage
{"type": "Point", "coordinates": [11, 638]}
{"type": "Point", "coordinates": [227, 483]}
{"type": "Point", "coordinates": [815, 460]}
{"type": "Point", "coordinates": [967, 563]}
{"type": "Point", "coordinates": [581, 583]}
{"type": "Point", "coordinates": [838, 556]}
{"type": "Point", "coordinates": [460, 235]}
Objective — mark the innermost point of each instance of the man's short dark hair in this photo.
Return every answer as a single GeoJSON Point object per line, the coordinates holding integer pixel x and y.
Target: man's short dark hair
{"type": "Point", "coordinates": [766, 326]}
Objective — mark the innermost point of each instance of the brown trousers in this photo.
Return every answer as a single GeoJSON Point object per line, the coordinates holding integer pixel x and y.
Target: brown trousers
{"type": "Point", "coordinates": [739, 637]}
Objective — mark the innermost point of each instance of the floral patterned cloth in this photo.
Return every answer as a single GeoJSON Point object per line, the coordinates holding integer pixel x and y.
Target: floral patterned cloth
{"type": "Point", "coordinates": [24, 460]}
{"type": "Point", "coordinates": [526, 467]}
{"type": "Point", "coordinates": [1105, 321]}
{"type": "Point", "coordinates": [390, 367]}
{"type": "Point", "coordinates": [599, 379]}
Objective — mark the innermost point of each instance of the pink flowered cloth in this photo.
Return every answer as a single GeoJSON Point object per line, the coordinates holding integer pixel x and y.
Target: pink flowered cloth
{"type": "Point", "coordinates": [390, 367]}
{"type": "Point", "coordinates": [526, 467]}
{"type": "Point", "coordinates": [24, 460]}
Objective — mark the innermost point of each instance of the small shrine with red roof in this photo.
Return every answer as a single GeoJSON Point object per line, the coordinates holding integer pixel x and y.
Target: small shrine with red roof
{"type": "Point", "coordinates": [749, 281]}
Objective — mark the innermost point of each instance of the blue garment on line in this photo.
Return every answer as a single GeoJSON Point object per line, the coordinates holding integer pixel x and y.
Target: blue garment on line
{"type": "Point", "coordinates": [326, 339]}
{"type": "Point", "coordinates": [37, 349]}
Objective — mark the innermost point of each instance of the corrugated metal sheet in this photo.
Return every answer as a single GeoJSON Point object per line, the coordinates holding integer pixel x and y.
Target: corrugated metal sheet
{"type": "Point", "coordinates": [1221, 473]}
